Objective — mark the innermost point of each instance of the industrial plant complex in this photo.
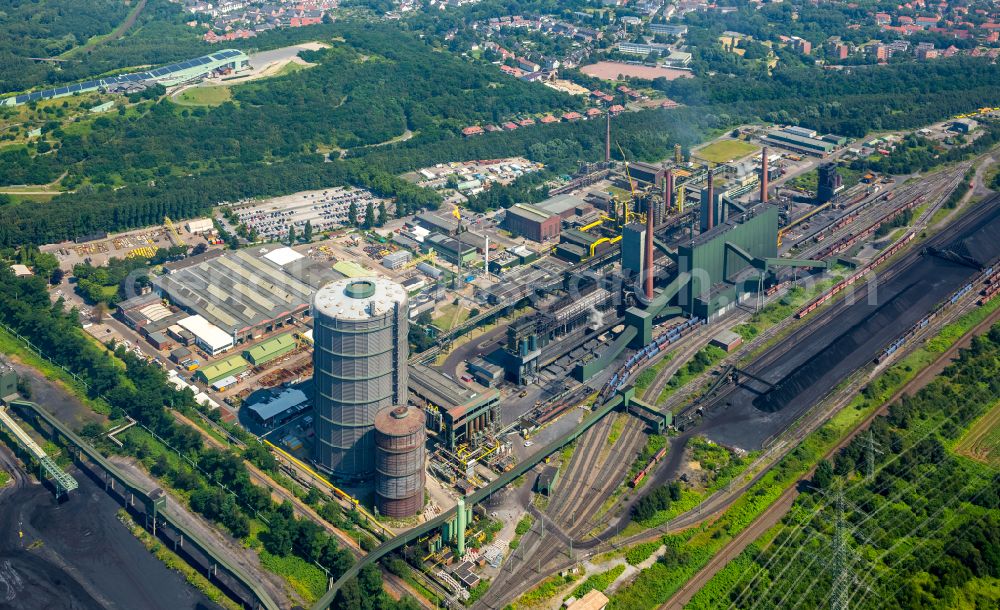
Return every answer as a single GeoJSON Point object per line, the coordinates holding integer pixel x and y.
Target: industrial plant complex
{"type": "Point", "coordinates": [409, 370]}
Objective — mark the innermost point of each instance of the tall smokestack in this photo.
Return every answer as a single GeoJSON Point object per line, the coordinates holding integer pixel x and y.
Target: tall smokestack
{"type": "Point", "coordinates": [668, 192]}
{"type": "Point", "coordinates": [607, 141]}
{"type": "Point", "coordinates": [711, 200]}
{"type": "Point", "coordinates": [649, 249]}
{"type": "Point", "coordinates": [763, 175]}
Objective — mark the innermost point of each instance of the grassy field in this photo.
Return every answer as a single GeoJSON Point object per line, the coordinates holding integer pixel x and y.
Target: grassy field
{"type": "Point", "coordinates": [725, 151]}
{"type": "Point", "coordinates": [204, 96]}
{"type": "Point", "coordinates": [982, 441]}
{"type": "Point", "coordinates": [450, 316]}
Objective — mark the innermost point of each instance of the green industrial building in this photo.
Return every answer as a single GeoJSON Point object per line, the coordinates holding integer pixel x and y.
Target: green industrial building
{"type": "Point", "coordinates": [811, 146]}
{"type": "Point", "coordinates": [717, 256]}
{"type": "Point", "coordinates": [448, 248]}
{"type": "Point", "coordinates": [264, 352]}
{"type": "Point", "coordinates": [234, 365]}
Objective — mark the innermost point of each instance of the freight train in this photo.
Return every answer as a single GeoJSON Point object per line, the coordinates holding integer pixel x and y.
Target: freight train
{"type": "Point", "coordinates": [672, 334]}
{"type": "Point", "coordinates": [845, 243]}
{"type": "Point", "coordinates": [988, 277]}
{"type": "Point", "coordinates": [854, 277]}
{"type": "Point", "coordinates": [648, 468]}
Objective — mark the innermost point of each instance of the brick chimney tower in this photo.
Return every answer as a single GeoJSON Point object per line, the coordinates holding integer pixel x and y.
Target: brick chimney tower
{"type": "Point", "coordinates": [649, 249]}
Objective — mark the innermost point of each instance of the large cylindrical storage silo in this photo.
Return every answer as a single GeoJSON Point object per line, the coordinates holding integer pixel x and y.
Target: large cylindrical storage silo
{"type": "Point", "coordinates": [400, 441]}
{"type": "Point", "coordinates": [359, 356]}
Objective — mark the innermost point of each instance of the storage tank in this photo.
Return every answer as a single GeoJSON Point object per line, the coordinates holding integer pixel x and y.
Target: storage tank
{"type": "Point", "coordinates": [400, 441]}
{"type": "Point", "coordinates": [359, 358]}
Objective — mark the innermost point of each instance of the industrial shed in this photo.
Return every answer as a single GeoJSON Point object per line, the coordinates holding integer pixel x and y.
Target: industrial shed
{"type": "Point", "coordinates": [234, 365]}
{"type": "Point", "coordinates": [262, 353]}
{"type": "Point", "coordinates": [209, 337]}
{"type": "Point", "coordinates": [172, 74]}
{"type": "Point", "coordinates": [247, 293]}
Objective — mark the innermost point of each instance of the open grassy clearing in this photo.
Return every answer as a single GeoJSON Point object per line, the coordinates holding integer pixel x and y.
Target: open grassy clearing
{"type": "Point", "coordinates": [204, 96]}
{"type": "Point", "coordinates": [450, 316]}
{"type": "Point", "coordinates": [725, 151]}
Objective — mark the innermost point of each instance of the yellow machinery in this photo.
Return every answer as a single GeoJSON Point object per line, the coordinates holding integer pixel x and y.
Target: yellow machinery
{"type": "Point", "coordinates": [603, 219]}
{"type": "Point", "coordinates": [611, 240]}
{"type": "Point", "coordinates": [174, 233]}
{"type": "Point", "coordinates": [799, 221]}
{"type": "Point", "coordinates": [426, 257]}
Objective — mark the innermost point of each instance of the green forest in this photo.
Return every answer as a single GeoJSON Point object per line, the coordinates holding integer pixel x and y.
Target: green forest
{"type": "Point", "coordinates": [332, 124]}
{"type": "Point", "coordinates": [919, 525]}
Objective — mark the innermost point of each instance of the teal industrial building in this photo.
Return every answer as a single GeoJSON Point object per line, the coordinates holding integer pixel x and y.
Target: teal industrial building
{"type": "Point", "coordinates": [173, 74]}
{"type": "Point", "coordinates": [717, 256]}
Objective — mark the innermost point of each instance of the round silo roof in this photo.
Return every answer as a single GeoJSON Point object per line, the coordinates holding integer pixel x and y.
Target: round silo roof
{"type": "Point", "coordinates": [358, 298]}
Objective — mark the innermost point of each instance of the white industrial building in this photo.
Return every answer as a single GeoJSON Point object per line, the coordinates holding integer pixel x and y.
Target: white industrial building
{"type": "Point", "coordinates": [200, 225]}
{"type": "Point", "coordinates": [207, 336]}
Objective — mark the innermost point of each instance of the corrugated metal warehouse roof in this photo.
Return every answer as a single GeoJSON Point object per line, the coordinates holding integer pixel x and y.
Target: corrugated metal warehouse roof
{"type": "Point", "coordinates": [232, 365]}
{"type": "Point", "coordinates": [241, 290]}
{"type": "Point", "coordinates": [270, 349]}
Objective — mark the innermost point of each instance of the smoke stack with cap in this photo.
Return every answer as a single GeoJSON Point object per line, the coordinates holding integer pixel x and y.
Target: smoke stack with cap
{"type": "Point", "coordinates": [607, 141]}
{"type": "Point", "coordinates": [711, 200]}
{"type": "Point", "coordinates": [668, 192]}
{"type": "Point", "coordinates": [763, 175]}
{"type": "Point", "coordinates": [649, 249]}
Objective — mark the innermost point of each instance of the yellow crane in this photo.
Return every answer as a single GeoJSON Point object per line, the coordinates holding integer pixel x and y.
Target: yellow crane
{"type": "Point", "coordinates": [426, 257]}
{"type": "Point", "coordinates": [174, 233]}
{"type": "Point", "coordinates": [631, 185]}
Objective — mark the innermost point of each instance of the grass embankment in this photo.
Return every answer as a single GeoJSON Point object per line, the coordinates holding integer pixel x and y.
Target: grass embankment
{"type": "Point", "coordinates": [599, 581]}
{"type": "Point", "coordinates": [305, 578]}
{"type": "Point", "coordinates": [544, 591]}
{"type": "Point", "coordinates": [645, 379]}
{"type": "Point", "coordinates": [616, 428]}
{"type": "Point", "coordinates": [706, 358]}
{"type": "Point", "coordinates": [689, 551]}
{"type": "Point", "coordinates": [641, 552]}
{"type": "Point", "coordinates": [173, 562]}
{"type": "Point", "coordinates": [521, 529]}
{"type": "Point", "coordinates": [11, 345]}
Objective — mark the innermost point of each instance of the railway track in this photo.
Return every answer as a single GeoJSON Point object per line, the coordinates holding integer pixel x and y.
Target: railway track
{"type": "Point", "coordinates": [593, 474]}
{"type": "Point", "coordinates": [791, 436]}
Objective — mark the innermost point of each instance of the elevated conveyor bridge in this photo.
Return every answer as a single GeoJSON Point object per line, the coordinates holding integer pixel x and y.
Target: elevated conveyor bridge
{"type": "Point", "coordinates": [228, 577]}
{"type": "Point", "coordinates": [63, 481]}
{"type": "Point", "coordinates": [448, 517]}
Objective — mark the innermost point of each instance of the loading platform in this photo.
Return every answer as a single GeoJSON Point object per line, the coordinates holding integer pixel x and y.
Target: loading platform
{"type": "Point", "coordinates": [63, 481]}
